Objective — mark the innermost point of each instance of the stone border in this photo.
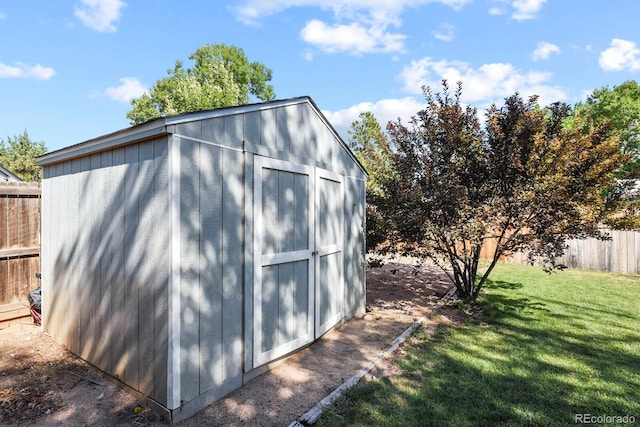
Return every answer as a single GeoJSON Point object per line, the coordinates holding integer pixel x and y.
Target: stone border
{"type": "Point", "coordinates": [312, 415]}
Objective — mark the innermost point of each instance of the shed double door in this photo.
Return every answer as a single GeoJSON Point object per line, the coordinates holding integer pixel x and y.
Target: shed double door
{"type": "Point", "coordinates": [298, 256]}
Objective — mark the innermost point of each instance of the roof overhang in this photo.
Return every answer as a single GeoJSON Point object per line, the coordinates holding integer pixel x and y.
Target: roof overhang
{"type": "Point", "coordinates": [164, 126]}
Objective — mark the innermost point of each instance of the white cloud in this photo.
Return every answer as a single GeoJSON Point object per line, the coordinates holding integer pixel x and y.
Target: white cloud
{"type": "Point", "coordinates": [544, 51]}
{"type": "Point", "coordinates": [3, 16]}
{"type": "Point", "coordinates": [353, 38]}
{"type": "Point", "coordinates": [361, 26]}
{"type": "Point", "coordinates": [445, 32]}
{"type": "Point", "coordinates": [252, 11]}
{"type": "Point", "coordinates": [24, 71]}
{"type": "Point", "coordinates": [100, 15]}
{"type": "Point", "coordinates": [526, 9]}
{"type": "Point", "coordinates": [622, 55]}
{"type": "Point", "coordinates": [483, 85]}
{"type": "Point", "coordinates": [385, 110]}
{"type": "Point", "coordinates": [129, 88]}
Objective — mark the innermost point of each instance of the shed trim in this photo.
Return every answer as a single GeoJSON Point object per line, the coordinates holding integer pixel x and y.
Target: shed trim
{"type": "Point", "coordinates": [173, 345]}
{"type": "Point", "coordinates": [116, 139]}
{"type": "Point", "coordinates": [202, 141]}
{"type": "Point", "coordinates": [236, 109]}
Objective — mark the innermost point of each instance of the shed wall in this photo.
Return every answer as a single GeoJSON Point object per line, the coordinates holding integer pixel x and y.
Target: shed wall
{"type": "Point", "coordinates": [211, 240]}
{"type": "Point", "coordinates": [294, 133]}
{"type": "Point", "coordinates": [104, 261]}
{"type": "Point", "coordinates": [354, 246]}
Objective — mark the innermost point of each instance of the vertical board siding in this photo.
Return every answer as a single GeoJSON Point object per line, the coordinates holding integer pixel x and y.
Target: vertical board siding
{"type": "Point", "coordinates": [232, 259]}
{"type": "Point", "coordinates": [190, 290]}
{"type": "Point", "coordinates": [213, 130]}
{"type": "Point", "coordinates": [212, 197]}
{"type": "Point", "coordinates": [132, 258]}
{"type": "Point", "coordinates": [105, 192]}
{"type": "Point", "coordinates": [146, 281]}
{"type": "Point", "coordinates": [233, 131]}
{"type": "Point", "coordinates": [108, 211]}
{"type": "Point", "coordinates": [161, 244]}
{"type": "Point", "coordinates": [355, 246]}
{"type": "Point", "coordinates": [210, 262]}
{"type": "Point", "coordinates": [251, 127]}
{"type": "Point", "coordinates": [116, 208]}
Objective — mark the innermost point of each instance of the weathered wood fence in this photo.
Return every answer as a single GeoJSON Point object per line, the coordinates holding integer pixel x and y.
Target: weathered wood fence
{"type": "Point", "coordinates": [19, 246]}
{"type": "Point", "coordinates": [620, 254]}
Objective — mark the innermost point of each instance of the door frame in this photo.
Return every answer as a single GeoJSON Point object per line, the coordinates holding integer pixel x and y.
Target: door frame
{"type": "Point", "coordinates": [312, 254]}
{"type": "Point", "coordinates": [260, 260]}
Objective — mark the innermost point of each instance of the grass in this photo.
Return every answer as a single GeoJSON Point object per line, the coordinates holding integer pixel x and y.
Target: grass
{"type": "Point", "coordinates": [543, 348]}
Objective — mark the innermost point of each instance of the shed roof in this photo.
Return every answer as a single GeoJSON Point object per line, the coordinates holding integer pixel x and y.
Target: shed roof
{"type": "Point", "coordinates": [161, 126]}
{"type": "Point", "coordinates": [6, 175]}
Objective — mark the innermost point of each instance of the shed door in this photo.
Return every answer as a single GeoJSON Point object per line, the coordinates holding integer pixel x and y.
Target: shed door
{"type": "Point", "coordinates": [298, 284]}
{"type": "Point", "coordinates": [328, 273]}
{"type": "Point", "coordinates": [283, 258]}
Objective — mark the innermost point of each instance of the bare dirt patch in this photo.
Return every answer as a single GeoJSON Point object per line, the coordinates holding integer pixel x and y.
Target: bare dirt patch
{"type": "Point", "coordinates": [41, 383]}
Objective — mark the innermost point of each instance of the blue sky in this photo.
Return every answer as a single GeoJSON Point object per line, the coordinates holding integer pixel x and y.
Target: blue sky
{"type": "Point", "coordinates": [69, 68]}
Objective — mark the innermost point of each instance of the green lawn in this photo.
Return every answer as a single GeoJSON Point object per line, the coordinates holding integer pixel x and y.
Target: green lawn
{"type": "Point", "coordinates": [544, 348]}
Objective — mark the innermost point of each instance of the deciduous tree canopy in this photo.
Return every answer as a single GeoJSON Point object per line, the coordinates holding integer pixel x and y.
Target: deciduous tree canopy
{"type": "Point", "coordinates": [620, 105]}
{"type": "Point", "coordinates": [520, 180]}
{"type": "Point", "coordinates": [221, 76]}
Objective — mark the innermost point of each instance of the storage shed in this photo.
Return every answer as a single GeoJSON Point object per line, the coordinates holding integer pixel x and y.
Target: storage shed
{"type": "Point", "coordinates": [182, 256]}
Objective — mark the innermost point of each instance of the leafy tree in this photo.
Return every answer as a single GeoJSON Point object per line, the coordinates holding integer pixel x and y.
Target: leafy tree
{"type": "Point", "coordinates": [521, 181]}
{"type": "Point", "coordinates": [221, 76]}
{"type": "Point", "coordinates": [370, 145]}
{"type": "Point", "coordinates": [620, 105]}
{"type": "Point", "coordinates": [18, 154]}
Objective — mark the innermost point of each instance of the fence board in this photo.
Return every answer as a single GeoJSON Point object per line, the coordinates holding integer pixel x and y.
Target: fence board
{"type": "Point", "coordinates": [19, 240]}
{"type": "Point", "coordinates": [4, 222]}
{"type": "Point", "coordinates": [620, 254]}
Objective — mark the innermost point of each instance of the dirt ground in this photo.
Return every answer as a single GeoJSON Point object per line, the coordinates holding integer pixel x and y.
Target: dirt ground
{"type": "Point", "coordinates": [41, 383]}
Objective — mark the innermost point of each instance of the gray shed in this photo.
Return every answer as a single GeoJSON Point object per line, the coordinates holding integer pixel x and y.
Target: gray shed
{"type": "Point", "coordinates": [183, 255]}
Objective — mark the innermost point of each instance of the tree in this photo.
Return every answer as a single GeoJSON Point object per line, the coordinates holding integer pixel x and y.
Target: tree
{"type": "Point", "coordinates": [19, 154]}
{"type": "Point", "coordinates": [370, 145]}
{"type": "Point", "coordinates": [522, 181]}
{"type": "Point", "coordinates": [620, 105]}
{"type": "Point", "coordinates": [221, 76]}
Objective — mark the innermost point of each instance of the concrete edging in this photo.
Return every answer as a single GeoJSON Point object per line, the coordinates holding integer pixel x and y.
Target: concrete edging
{"type": "Point", "coordinates": [312, 415]}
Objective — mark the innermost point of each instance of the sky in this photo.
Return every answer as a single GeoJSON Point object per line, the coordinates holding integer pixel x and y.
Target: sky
{"type": "Point", "coordinates": [69, 68]}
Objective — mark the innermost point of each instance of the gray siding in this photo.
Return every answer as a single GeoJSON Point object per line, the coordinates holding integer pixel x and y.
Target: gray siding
{"type": "Point", "coordinates": [354, 246]}
{"type": "Point", "coordinates": [211, 230]}
{"type": "Point", "coordinates": [104, 301]}
{"type": "Point", "coordinates": [293, 132]}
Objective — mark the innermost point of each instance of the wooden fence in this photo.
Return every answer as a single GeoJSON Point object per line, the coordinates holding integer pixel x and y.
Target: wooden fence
{"type": "Point", "coordinates": [620, 254]}
{"type": "Point", "coordinates": [19, 246]}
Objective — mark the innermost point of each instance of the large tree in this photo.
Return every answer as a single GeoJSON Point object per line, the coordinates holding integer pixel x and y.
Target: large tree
{"type": "Point", "coordinates": [221, 76]}
{"type": "Point", "coordinates": [621, 106]}
{"type": "Point", "coordinates": [370, 145]}
{"type": "Point", "coordinates": [18, 154]}
{"type": "Point", "coordinates": [521, 181]}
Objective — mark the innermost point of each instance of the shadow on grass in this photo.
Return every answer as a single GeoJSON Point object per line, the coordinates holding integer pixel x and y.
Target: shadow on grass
{"type": "Point", "coordinates": [521, 363]}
